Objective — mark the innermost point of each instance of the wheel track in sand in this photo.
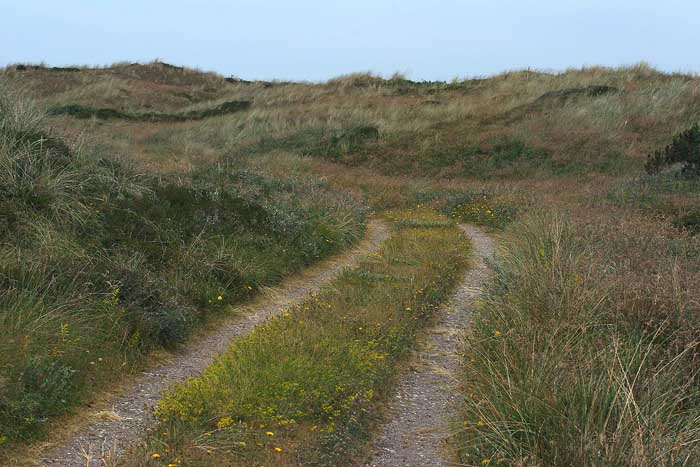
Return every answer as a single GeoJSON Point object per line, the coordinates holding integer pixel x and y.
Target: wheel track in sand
{"type": "Point", "coordinates": [424, 402]}
{"type": "Point", "coordinates": [132, 412]}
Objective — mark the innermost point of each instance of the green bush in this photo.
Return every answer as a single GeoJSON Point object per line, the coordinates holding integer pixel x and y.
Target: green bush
{"type": "Point", "coordinates": [46, 389]}
{"type": "Point", "coordinates": [689, 222]}
{"type": "Point", "coordinates": [684, 150]}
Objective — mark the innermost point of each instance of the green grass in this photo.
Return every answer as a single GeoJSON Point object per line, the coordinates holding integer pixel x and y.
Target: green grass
{"type": "Point", "coordinates": [567, 363]}
{"type": "Point", "coordinates": [482, 208]}
{"type": "Point", "coordinates": [310, 381]}
{"type": "Point", "coordinates": [99, 264]}
{"type": "Point", "coordinates": [578, 301]}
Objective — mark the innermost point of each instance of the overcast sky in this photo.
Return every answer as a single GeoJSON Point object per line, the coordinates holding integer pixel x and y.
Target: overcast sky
{"type": "Point", "coordinates": [319, 39]}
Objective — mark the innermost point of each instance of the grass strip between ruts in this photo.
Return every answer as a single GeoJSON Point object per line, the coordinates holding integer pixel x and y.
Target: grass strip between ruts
{"type": "Point", "coordinates": [304, 388]}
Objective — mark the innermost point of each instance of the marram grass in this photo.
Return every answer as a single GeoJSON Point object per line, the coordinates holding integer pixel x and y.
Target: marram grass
{"type": "Point", "coordinates": [563, 368]}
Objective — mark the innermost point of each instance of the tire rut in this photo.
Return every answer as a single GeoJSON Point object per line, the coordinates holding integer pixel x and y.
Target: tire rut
{"type": "Point", "coordinates": [422, 407]}
{"type": "Point", "coordinates": [106, 435]}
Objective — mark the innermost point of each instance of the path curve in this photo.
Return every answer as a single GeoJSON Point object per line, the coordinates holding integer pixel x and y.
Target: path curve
{"type": "Point", "coordinates": [424, 403]}
{"type": "Point", "coordinates": [133, 412]}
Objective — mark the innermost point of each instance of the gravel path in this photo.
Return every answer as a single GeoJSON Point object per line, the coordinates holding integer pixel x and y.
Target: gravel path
{"type": "Point", "coordinates": [423, 405]}
{"type": "Point", "coordinates": [132, 412]}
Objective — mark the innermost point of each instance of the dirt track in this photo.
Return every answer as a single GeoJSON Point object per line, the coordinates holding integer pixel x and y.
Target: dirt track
{"type": "Point", "coordinates": [420, 410]}
{"type": "Point", "coordinates": [110, 431]}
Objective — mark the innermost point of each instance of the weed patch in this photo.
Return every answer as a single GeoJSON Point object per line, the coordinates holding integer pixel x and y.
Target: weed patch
{"type": "Point", "coordinates": [503, 157]}
{"type": "Point", "coordinates": [478, 208]}
{"type": "Point", "coordinates": [326, 143]}
{"type": "Point", "coordinates": [689, 222]}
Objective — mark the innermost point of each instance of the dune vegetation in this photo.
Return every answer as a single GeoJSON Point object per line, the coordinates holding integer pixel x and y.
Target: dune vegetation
{"type": "Point", "coordinates": [304, 388]}
{"type": "Point", "coordinates": [115, 234]}
{"type": "Point", "coordinates": [100, 264]}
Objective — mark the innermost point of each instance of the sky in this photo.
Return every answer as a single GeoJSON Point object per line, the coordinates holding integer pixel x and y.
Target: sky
{"type": "Point", "coordinates": [318, 39]}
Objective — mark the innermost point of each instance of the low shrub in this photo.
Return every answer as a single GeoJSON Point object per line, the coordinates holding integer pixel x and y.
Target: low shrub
{"type": "Point", "coordinates": [328, 143]}
{"type": "Point", "coordinates": [684, 150]}
{"type": "Point", "coordinates": [689, 222]}
{"type": "Point", "coordinates": [480, 208]}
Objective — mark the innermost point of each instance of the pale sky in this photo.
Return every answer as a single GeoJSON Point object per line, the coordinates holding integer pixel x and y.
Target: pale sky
{"type": "Point", "coordinates": [318, 39]}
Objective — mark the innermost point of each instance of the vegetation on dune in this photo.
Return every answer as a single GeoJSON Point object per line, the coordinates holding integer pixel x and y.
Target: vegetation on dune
{"type": "Point", "coordinates": [99, 265]}
{"type": "Point", "coordinates": [128, 87]}
{"type": "Point", "coordinates": [303, 388]}
{"type": "Point", "coordinates": [79, 111]}
{"type": "Point", "coordinates": [576, 356]}
{"type": "Point", "coordinates": [684, 150]}
{"type": "Point", "coordinates": [583, 351]}
{"type": "Point", "coordinates": [516, 125]}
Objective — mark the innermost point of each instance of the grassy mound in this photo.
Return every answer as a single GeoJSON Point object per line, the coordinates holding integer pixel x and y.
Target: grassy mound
{"type": "Point", "coordinates": [100, 265]}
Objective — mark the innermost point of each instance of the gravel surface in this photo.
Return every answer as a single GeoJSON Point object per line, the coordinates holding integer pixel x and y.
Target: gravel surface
{"type": "Point", "coordinates": [132, 413]}
{"type": "Point", "coordinates": [424, 403]}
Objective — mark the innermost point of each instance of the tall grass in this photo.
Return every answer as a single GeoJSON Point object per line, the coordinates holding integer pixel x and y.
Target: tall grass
{"type": "Point", "coordinates": [563, 367]}
{"type": "Point", "coordinates": [99, 265]}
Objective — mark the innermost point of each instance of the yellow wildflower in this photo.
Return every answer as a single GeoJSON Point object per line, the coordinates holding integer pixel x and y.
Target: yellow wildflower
{"type": "Point", "coordinates": [219, 298]}
{"type": "Point", "coordinates": [486, 461]}
{"type": "Point", "coordinates": [225, 422]}
{"type": "Point", "coordinates": [269, 433]}
{"type": "Point", "coordinates": [278, 449]}
{"type": "Point", "coordinates": [155, 455]}
{"type": "Point", "coordinates": [497, 333]}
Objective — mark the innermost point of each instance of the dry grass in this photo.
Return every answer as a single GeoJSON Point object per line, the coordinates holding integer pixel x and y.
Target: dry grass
{"type": "Point", "coordinates": [581, 355]}
{"type": "Point", "coordinates": [620, 262]}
